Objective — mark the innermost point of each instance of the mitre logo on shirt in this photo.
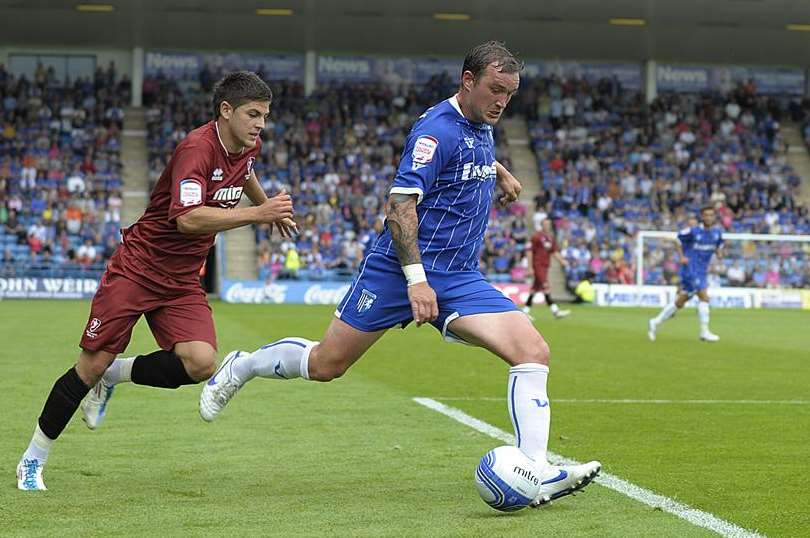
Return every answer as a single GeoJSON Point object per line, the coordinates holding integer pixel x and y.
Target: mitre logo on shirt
{"type": "Point", "coordinates": [228, 196]}
{"type": "Point", "coordinates": [217, 176]}
{"type": "Point", "coordinates": [251, 161]}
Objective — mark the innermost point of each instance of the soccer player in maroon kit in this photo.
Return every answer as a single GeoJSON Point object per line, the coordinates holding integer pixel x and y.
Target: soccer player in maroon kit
{"type": "Point", "coordinates": [544, 246]}
{"type": "Point", "coordinates": [155, 270]}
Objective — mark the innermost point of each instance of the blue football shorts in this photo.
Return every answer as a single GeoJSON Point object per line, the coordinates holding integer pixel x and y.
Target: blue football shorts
{"type": "Point", "coordinates": [378, 297]}
{"type": "Point", "coordinates": [692, 281]}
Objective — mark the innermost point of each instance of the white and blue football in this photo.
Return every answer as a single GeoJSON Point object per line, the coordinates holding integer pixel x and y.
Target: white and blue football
{"type": "Point", "coordinates": [506, 479]}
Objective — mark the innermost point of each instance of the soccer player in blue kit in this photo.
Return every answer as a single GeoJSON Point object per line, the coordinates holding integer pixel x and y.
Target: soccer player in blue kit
{"type": "Point", "coordinates": [696, 245]}
{"type": "Point", "coordinates": [424, 268]}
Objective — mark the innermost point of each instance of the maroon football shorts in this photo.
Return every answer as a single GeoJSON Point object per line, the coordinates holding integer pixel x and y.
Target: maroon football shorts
{"type": "Point", "coordinates": [119, 303]}
{"type": "Point", "coordinates": [541, 280]}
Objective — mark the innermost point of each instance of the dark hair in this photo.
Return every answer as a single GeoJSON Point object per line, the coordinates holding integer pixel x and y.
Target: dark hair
{"type": "Point", "coordinates": [706, 208]}
{"type": "Point", "coordinates": [238, 88]}
{"type": "Point", "coordinates": [487, 53]}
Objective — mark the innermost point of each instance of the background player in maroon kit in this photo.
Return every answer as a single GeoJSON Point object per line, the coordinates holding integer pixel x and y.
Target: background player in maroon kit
{"type": "Point", "coordinates": [155, 270]}
{"type": "Point", "coordinates": [544, 246]}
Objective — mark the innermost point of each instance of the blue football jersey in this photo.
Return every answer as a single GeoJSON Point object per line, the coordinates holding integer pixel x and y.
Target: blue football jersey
{"type": "Point", "coordinates": [699, 245]}
{"type": "Point", "coordinates": [449, 163]}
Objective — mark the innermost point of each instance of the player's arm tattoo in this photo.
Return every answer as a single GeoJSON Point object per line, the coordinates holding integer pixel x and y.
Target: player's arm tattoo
{"type": "Point", "coordinates": [400, 213]}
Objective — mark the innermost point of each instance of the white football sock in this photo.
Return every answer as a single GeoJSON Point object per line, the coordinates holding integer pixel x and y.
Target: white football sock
{"type": "Point", "coordinates": [666, 313]}
{"type": "Point", "coordinates": [287, 358]}
{"type": "Point", "coordinates": [120, 371]}
{"type": "Point", "coordinates": [703, 315]}
{"type": "Point", "coordinates": [39, 447]}
{"type": "Point", "coordinates": [530, 410]}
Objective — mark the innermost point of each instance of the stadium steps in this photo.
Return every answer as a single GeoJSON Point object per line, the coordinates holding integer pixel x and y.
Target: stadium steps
{"type": "Point", "coordinates": [524, 167]}
{"type": "Point", "coordinates": [134, 156]}
{"type": "Point", "coordinates": [798, 158]}
{"type": "Point", "coordinates": [524, 163]}
{"type": "Point", "coordinates": [240, 261]}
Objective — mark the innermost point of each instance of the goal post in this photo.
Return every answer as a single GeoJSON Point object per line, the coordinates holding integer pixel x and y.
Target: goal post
{"type": "Point", "coordinates": [802, 245]}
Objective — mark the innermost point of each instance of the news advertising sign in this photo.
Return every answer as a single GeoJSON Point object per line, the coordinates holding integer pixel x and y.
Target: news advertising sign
{"type": "Point", "coordinates": [188, 65]}
{"type": "Point", "coordinates": [700, 78]}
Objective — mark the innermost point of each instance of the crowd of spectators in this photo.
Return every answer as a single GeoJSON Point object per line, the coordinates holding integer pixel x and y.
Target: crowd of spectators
{"type": "Point", "coordinates": [336, 150]}
{"type": "Point", "coordinates": [60, 172]}
{"type": "Point", "coordinates": [612, 165]}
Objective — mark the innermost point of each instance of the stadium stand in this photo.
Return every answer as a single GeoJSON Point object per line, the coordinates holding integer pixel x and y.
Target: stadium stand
{"type": "Point", "coordinates": [337, 151]}
{"type": "Point", "coordinates": [60, 172]}
{"type": "Point", "coordinates": [611, 166]}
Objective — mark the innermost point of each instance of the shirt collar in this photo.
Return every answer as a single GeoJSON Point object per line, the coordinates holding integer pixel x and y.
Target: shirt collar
{"type": "Point", "coordinates": [221, 143]}
{"type": "Point", "coordinates": [454, 103]}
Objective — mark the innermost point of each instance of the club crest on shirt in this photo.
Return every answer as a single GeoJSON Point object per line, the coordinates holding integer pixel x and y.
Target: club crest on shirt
{"type": "Point", "coordinates": [366, 301]}
{"type": "Point", "coordinates": [251, 161]}
{"type": "Point", "coordinates": [92, 328]}
{"type": "Point", "coordinates": [469, 141]}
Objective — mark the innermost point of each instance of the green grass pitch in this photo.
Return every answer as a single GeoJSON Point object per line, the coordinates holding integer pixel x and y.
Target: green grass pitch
{"type": "Point", "coordinates": [357, 457]}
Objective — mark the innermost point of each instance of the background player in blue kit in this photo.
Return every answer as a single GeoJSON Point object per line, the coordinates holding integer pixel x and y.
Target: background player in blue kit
{"type": "Point", "coordinates": [424, 268]}
{"type": "Point", "coordinates": [696, 246]}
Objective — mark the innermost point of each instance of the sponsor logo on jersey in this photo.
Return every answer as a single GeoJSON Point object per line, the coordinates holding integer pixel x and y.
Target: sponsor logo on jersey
{"type": "Point", "coordinates": [251, 161]}
{"type": "Point", "coordinates": [366, 301]}
{"type": "Point", "coordinates": [424, 149]}
{"type": "Point", "coordinates": [190, 192]}
{"type": "Point", "coordinates": [479, 172]}
{"type": "Point", "coordinates": [92, 328]}
{"type": "Point", "coordinates": [217, 176]}
{"type": "Point", "coordinates": [469, 141]}
{"type": "Point", "coordinates": [228, 196]}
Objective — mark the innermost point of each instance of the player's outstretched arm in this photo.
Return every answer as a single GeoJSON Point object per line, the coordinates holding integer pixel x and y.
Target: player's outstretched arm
{"type": "Point", "coordinates": [208, 220]}
{"type": "Point", "coordinates": [402, 220]}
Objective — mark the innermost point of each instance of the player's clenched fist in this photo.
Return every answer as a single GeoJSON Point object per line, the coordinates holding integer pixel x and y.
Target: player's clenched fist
{"type": "Point", "coordinates": [423, 303]}
{"type": "Point", "coordinates": [275, 209]}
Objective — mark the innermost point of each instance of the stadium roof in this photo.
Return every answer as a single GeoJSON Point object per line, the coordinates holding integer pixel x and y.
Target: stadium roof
{"type": "Point", "coordinates": [738, 31]}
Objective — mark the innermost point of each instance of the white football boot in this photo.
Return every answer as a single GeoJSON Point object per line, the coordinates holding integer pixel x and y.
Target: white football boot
{"type": "Point", "coordinates": [219, 390]}
{"type": "Point", "coordinates": [29, 475]}
{"type": "Point", "coordinates": [561, 480]}
{"type": "Point", "coordinates": [94, 406]}
{"type": "Point", "coordinates": [559, 314]}
{"type": "Point", "coordinates": [708, 336]}
{"type": "Point", "coordinates": [652, 326]}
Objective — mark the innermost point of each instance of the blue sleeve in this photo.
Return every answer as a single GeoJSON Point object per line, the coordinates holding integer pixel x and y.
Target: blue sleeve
{"type": "Point", "coordinates": [427, 150]}
{"type": "Point", "coordinates": [685, 237]}
{"type": "Point", "coordinates": [720, 240]}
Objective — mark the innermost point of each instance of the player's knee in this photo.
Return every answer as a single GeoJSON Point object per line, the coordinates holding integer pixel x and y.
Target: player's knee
{"type": "Point", "coordinates": [325, 367]}
{"type": "Point", "coordinates": [92, 365]}
{"type": "Point", "coordinates": [536, 351]}
{"type": "Point", "coordinates": [326, 372]}
{"type": "Point", "coordinates": [200, 366]}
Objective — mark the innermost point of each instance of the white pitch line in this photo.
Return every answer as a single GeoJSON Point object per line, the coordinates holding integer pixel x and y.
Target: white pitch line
{"type": "Point", "coordinates": [694, 516]}
{"type": "Point", "coordinates": [635, 401]}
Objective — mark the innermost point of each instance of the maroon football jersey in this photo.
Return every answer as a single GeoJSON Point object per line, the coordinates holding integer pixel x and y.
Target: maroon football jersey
{"type": "Point", "coordinates": [201, 172]}
{"type": "Point", "coordinates": [543, 246]}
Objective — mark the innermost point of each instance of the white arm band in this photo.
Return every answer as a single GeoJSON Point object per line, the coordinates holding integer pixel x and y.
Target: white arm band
{"type": "Point", "coordinates": [414, 273]}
